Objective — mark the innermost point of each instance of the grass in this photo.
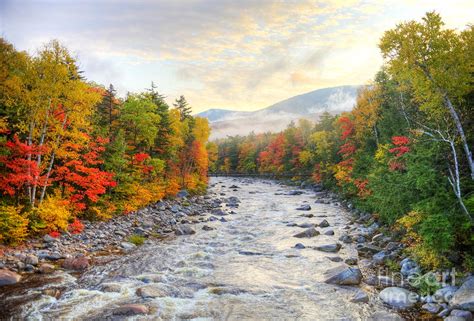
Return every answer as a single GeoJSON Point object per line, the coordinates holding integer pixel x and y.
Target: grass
{"type": "Point", "coordinates": [136, 239]}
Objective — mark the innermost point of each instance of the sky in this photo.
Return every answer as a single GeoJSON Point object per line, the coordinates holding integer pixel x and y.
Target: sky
{"type": "Point", "coordinates": [240, 55]}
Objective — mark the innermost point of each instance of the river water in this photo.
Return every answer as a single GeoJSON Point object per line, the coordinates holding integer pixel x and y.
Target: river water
{"type": "Point", "coordinates": [245, 269]}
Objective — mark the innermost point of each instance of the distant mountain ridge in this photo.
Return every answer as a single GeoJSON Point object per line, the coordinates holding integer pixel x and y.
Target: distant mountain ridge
{"type": "Point", "coordinates": [277, 116]}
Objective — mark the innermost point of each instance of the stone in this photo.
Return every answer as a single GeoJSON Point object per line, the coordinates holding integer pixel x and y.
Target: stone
{"type": "Point", "coordinates": [111, 287]}
{"type": "Point", "coordinates": [184, 230]}
{"type": "Point", "coordinates": [445, 294]}
{"type": "Point", "coordinates": [380, 257]}
{"type": "Point", "coordinates": [453, 318]}
{"type": "Point", "coordinates": [398, 298]}
{"type": "Point", "coordinates": [306, 225]}
{"type": "Point", "coordinates": [383, 280]}
{"type": "Point", "coordinates": [330, 248]}
{"type": "Point", "coordinates": [329, 232]}
{"type": "Point", "coordinates": [346, 239]}
{"type": "Point", "coordinates": [77, 263]}
{"type": "Point", "coordinates": [360, 297]}
{"type": "Point", "coordinates": [377, 238]}
{"type": "Point", "coordinates": [294, 192]}
{"type": "Point", "coordinates": [151, 291]}
{"type": "Point", "coordinates": [351, 261]}
{"type": "Point", "coordinates": [343, 275]}
{"type": "Point", "coordinates": [464, 297]}
{"type": "Point", "coordinates": [131, 309]}
{"type": "Point", "coordinates": [409, 268]}
{"type": "Point", "coordinates": [127, 246]}
{"type": "Point", "coordinates": [467, 315]}
{"type": "Point", "coordinates": [46, 268]}
{"type": "Point", "coordinates": [31, 259]}
{"type": "Point", "coordinates": [299, 246]}
{"type": "Point", "coordinates": [335, 258]}
{"type": "Point", "coordinates": [8, 277]}
{"type": "Point", "coordinates": [431, 307]}
{"type": "Point", "coordinates": [207, 228]}
{"type": "Point", "coordinates": [311, 232]}
{"type": "Point", "coordinates": [120, 233]}
{"type": "Point", "coordinates": [368, 249]}
{"type": "Point", "coordinates": [304, 207]}
{"type": "Point", "coordinates": [323, 223]}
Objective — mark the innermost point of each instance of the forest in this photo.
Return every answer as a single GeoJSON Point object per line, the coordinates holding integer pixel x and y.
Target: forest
{"type": "Point", "coordinates": [71, 149]}
{"type": "Point", "coordinates": [403, 152]}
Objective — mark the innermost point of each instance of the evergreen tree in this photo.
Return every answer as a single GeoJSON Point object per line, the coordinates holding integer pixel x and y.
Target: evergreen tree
{"type": "Point", "coordinates": [183, 107]}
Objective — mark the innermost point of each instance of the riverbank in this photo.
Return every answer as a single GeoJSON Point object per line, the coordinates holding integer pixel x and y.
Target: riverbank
{"type": "Point", "coordinates": [304, 232]}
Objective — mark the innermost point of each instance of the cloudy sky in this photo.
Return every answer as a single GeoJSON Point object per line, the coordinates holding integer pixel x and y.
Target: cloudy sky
{"type": "Point", "coordinates": [241, 55]}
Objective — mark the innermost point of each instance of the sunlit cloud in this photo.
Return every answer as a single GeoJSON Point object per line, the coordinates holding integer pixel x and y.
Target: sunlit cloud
{"type": "Point", "coordinates": [240, 55]}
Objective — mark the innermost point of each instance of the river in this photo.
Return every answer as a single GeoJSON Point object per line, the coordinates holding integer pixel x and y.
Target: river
{"type": "Point", "coordinates": [245, 269]}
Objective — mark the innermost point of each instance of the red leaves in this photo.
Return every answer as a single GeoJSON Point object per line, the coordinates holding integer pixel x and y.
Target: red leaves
{"type": "Point", "coordinates": [18, 169]}
{"type": "Point", "coordinates": [347, 149]}
{"type": "Point", "coordinates": [401, 149]}
{"type": "Point", "coordinates": [82, 180]}
{"type": "Point", "coordinates": [271, 159]}
{"type": "Point", "coordinates": [76, 227]}
{"type": "Point", "coordinates": [347, 127]}
{"type": "Point", "coordinates": [54, 234]}
{"type": "Point", "coordinates": [140, 157]}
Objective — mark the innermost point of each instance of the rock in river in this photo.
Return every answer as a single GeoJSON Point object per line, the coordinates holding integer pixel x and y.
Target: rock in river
{"type": "Point", "coordinates": [77, 263]}
{"type": "Point", "coordinates": [331, 248]}
{"type": "Point", "coordinates": [323, 223]}
{"type": "Point", "coordinates": [464, 297]}
{"type": "Point", "coordinates": [311, 232]}
{"type": "Point", "coordinates": [184, 230]}
{"type": "Point", "coordinates": [304, 207]}
{"type": "Point", "coordinates": [360, 297]}
{"type": "Point", "coordinates": [131, 309]}
{"type": "Point", "coordinates": [398, 298]}
{"type": "Point", "coordinates": [8, 277]}
{"type": "Point", "coordinates": [343, 275]}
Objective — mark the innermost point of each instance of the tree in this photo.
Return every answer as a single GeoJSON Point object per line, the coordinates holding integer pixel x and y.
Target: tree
{"type": "Point", "coordinates": [183, 107]}
{"type": "Point", "coordinates": [437, 63]}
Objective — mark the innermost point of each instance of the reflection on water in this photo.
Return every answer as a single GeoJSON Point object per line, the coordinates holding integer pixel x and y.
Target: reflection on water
{"type": "Point", "coordinates": [245, 269]}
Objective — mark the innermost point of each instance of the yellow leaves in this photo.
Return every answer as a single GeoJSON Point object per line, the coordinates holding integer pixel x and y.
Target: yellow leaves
{"type": "Point", "coordinates": [305, 157]}
{"type": "Point", "coordinates": [13, 226]}
{"type": "Point", "coordinates": [382, 153]}
{"type": "Point", "coordinates": [365, 113]}
{"type": "Point", "coordinates": [201, 130]}
{"type": "Point", "coordinates": [54, 212]}
{"type": "Point", "coordinates": [141, 195]}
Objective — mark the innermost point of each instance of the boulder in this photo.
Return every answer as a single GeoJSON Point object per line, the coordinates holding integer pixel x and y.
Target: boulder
{"type": "Point", "coordinates": [110, 287]}
{"type": "Point", "coordinates": [343, 275]}
{"type": "Point", "coordinates": [330, 248]}
{"type": "Point", "coordinates": [351, 261]}
{"type": "Point", "coordinates": [299, 246]}
{"type": "Point", "coordinates": [131, 309]}
{"type": "Point", "coordinates": [323, 223]}
{"type": "Point", "coordinates": [464, 297]}
{"type": "Point", "coordinates": [46, 268]}
{"type": "Point", "coordinates": [360, 297]}
{"type": "Point", "coordinates": [31, 259]}
{"type": "Point", "coordinates": [445, 294]}
{"type": "Point", "coordinates": [467, 315]}
{"type": "Point", "coordinates": [127, 246]}
{"type": "Point", "coordinates": [398, 298]}
{"type": "Point", "coordinates": [304, 207]}
{"type": "Point", "coordinates": [311, 232]}
{"type": "Point", "coordinates": [294, 192]}
{"type": "Point", "coordinates": [329, 232]}
{"type": "Point", "coordinates": [207, 228]}
{"type": "Point", "coordinates": [184, 230]}
{"type": "Point", "coordinates": [432, 308]}
{"type": "Point", "coordinates": [151, 291]}
{"type": "Point", "coordinates": [409, 267]}
{"type": "Point", "coordinates": [335, 258]}
{"type": "Point", "coordinates": [8, 277]}
{"type": "Point", "coordinates": [77, 263]}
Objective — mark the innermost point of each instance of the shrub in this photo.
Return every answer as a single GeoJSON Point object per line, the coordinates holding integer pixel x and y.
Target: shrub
{"type": "Point", "coordinates": [13, 226]}
{"type": "Point", "coordinates": [54, 213]}
{"type": "Point", "coordinates": [136, 239]}
{"type": "Point", "coordinates": [76, 227]}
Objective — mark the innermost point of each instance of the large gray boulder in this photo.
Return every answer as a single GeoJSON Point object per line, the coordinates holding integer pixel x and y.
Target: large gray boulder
{"type": "Point", "coordinates": [343, 275]}
{"type": "Point", "coordinates": [398, 298]}
{"type": "Point", "coordinates": [311, 232]}
{"type": "Point", "coordinates": [330, 248]}
{"type": "Point", "coordinates": [464, 297]}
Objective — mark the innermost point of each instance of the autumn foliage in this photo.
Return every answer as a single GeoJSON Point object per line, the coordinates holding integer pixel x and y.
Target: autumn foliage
{"type": "Point", "coordinates": [72, 150]}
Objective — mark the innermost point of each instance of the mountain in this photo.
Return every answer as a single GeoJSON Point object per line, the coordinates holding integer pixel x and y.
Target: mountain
{"type": "Point", "coordinates": [277, 116]}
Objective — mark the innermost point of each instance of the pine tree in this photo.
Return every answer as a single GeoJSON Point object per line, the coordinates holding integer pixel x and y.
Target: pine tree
{"type": "Point", "coordinates": [183, 107]}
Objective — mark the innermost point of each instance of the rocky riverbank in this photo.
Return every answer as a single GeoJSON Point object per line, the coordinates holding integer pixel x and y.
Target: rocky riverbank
{"type": "Point", "coordinates": [401, 283]}
{"type": "Point", "coordinates": [165, 219]}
